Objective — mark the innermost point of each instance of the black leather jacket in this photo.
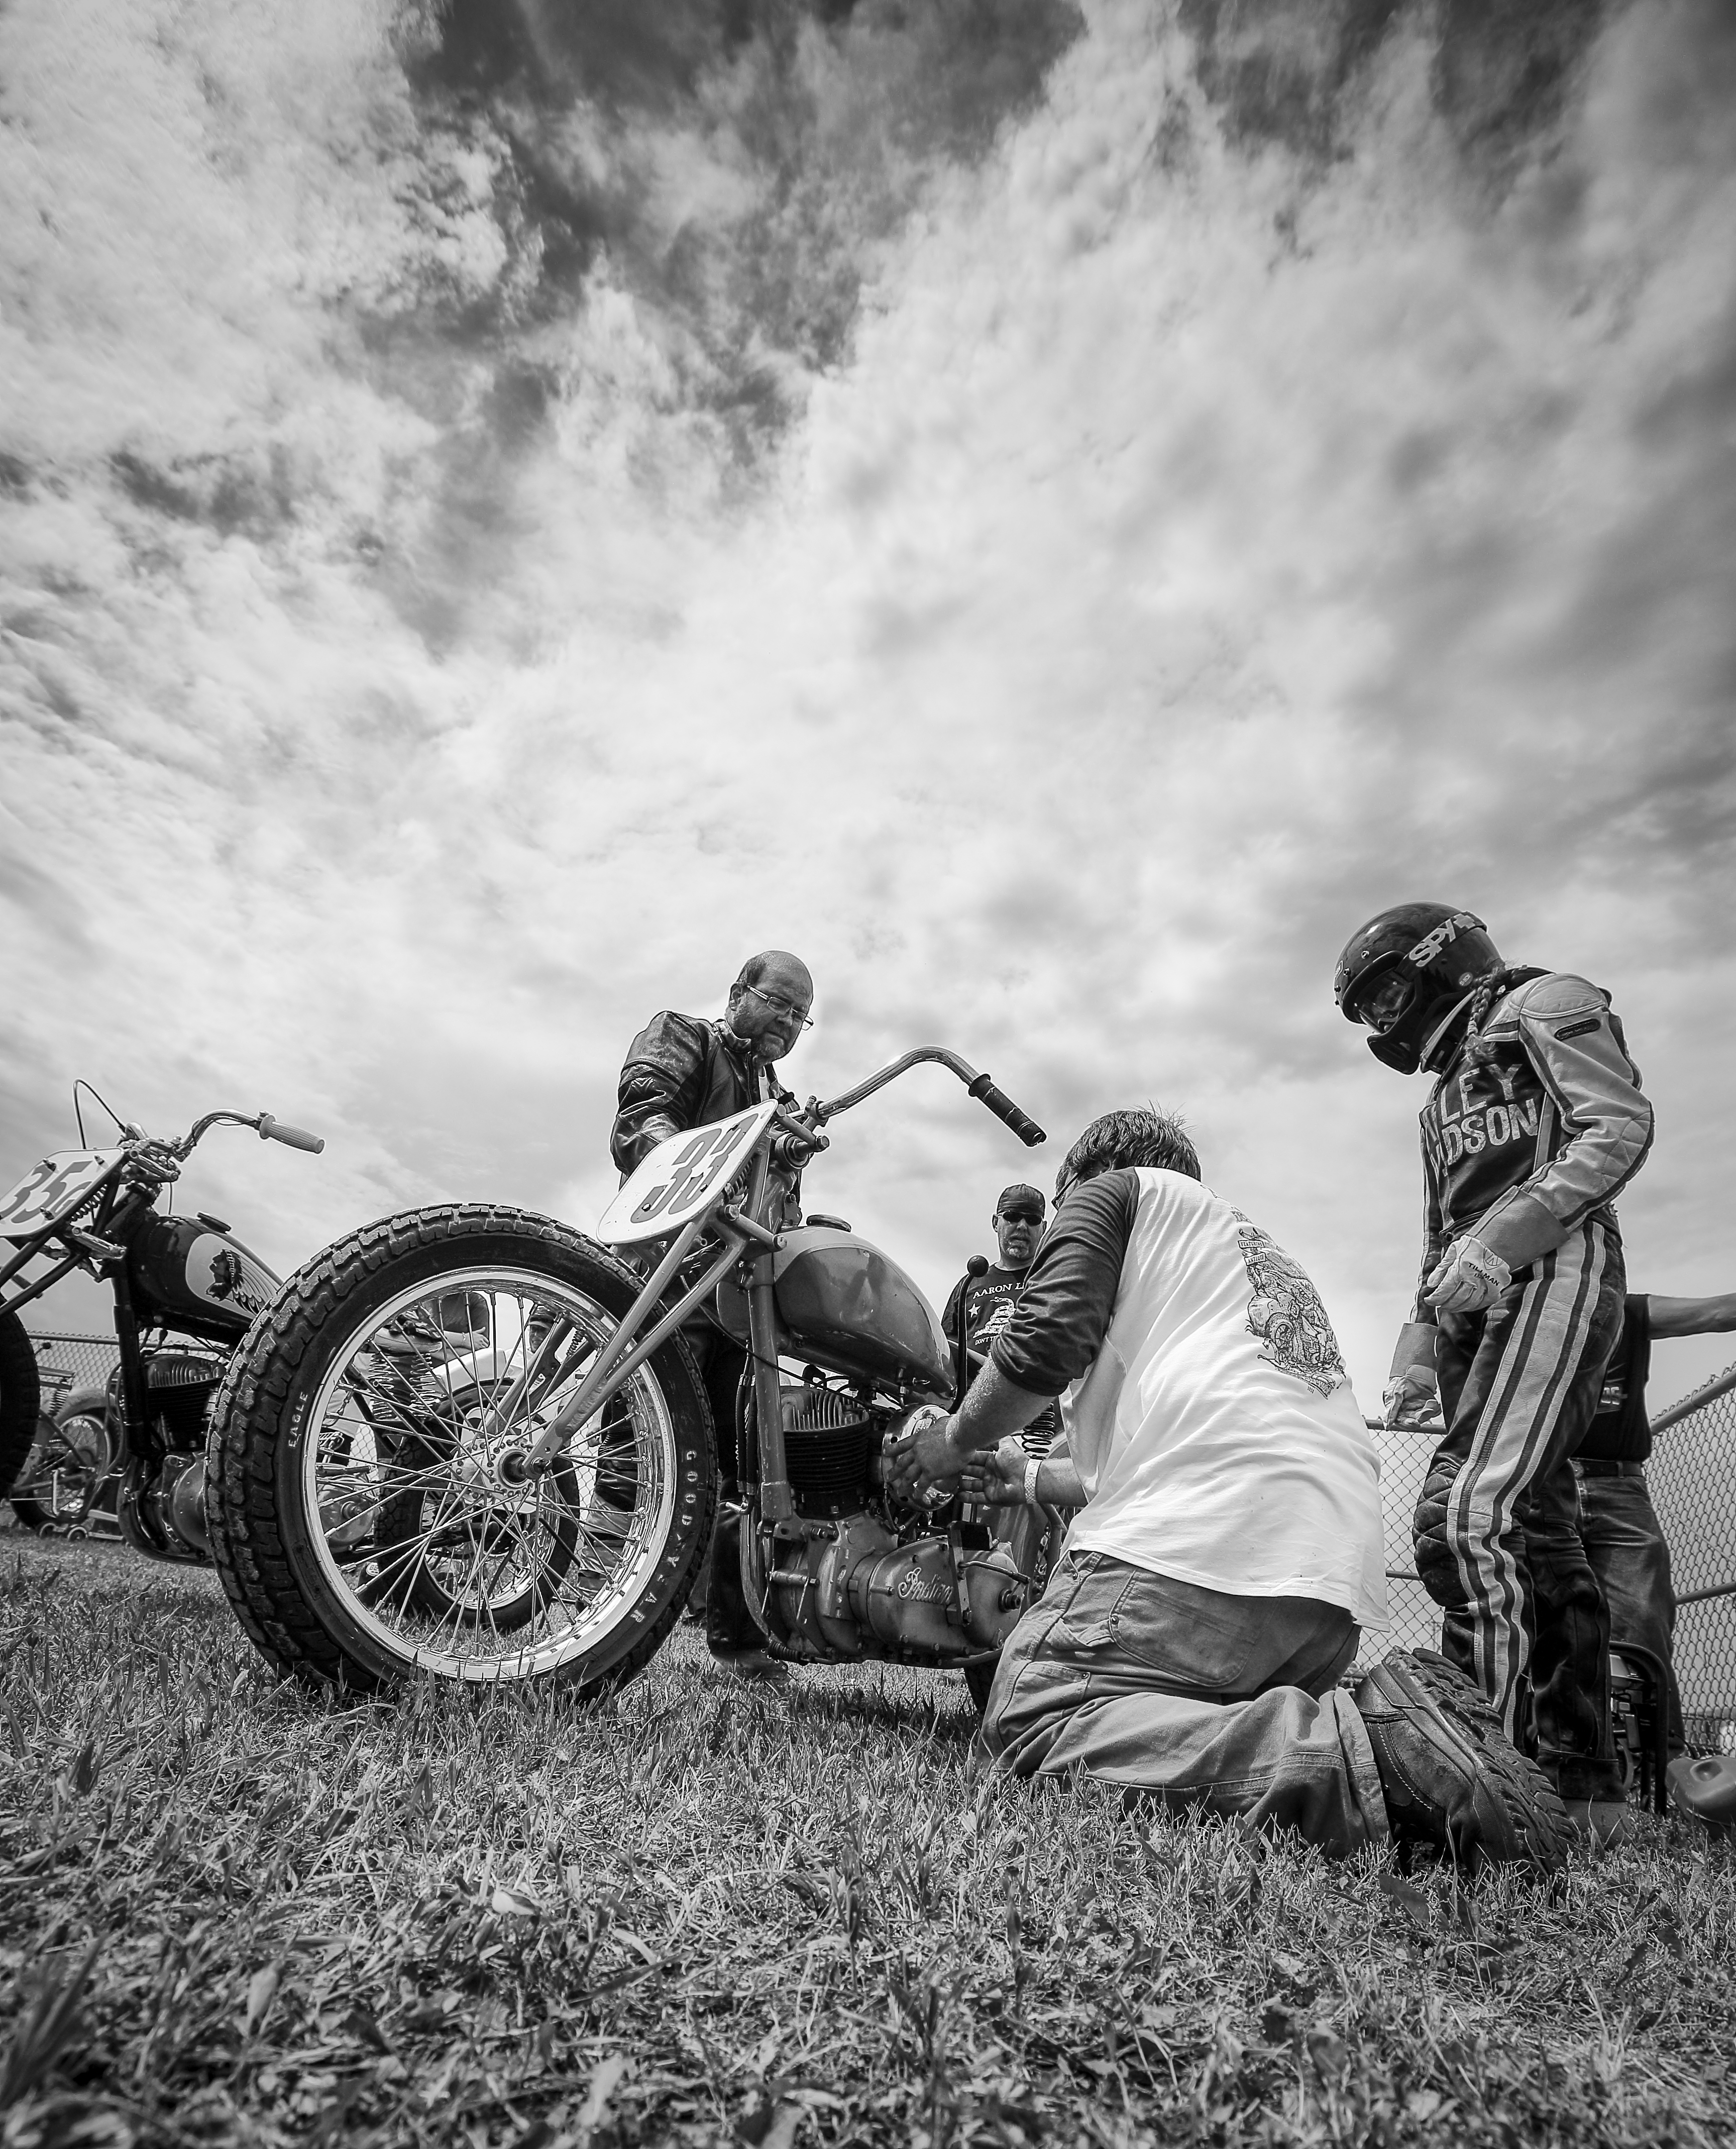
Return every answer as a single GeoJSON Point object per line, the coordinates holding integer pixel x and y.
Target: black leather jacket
{"type": "Point", "coordinates": [682, 1072]}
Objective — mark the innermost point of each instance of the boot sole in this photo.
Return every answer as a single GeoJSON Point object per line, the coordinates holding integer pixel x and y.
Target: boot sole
{"type": "Point", "coordinates": [1532, 1809]}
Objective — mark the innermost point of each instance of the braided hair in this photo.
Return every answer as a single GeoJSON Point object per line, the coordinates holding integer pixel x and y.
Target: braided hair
{"type": "Point", "coordinates": [1490, 987]}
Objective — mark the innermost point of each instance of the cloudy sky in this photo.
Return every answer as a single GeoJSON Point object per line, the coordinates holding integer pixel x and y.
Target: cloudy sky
{"type": "Point", "coordinates": [1057, 515]}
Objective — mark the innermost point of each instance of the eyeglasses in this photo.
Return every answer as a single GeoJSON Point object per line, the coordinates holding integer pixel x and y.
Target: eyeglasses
{"type": "Point", "coordinates": [786, 1008]}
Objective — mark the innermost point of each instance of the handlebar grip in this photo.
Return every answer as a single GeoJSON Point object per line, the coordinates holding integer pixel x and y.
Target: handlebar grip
{"type": "Point", "coordinates": [271, 1129]}
{"type": "Point", "coordinates": [1005, 1110]}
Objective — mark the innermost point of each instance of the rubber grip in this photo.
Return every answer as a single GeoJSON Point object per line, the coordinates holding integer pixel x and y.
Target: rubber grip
{"type": "Point", "coordinates": [271, 1129]}
{"type": "Point", "coordinates": [1005, 1110]}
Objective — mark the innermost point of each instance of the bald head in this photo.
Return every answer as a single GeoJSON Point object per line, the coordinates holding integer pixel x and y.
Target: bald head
{"type": "Point", "coordinates": [779, 972]}
{"type": "Point", "coordinates": [769, 1001]}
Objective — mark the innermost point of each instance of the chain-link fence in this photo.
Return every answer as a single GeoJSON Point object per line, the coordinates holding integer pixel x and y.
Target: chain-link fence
{"type": "Point", "coordinates": [72, 1361]}
{"type": "Point", "coordinates": [1692, 1480]}
{"type": "Point", "coordinates": [1691, 1477]}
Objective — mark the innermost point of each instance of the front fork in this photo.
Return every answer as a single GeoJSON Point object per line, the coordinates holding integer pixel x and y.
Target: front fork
{"type": "Point", "coordinates": [776, 1505]}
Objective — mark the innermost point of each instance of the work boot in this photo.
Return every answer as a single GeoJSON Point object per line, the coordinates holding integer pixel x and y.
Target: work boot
{"type": "Point", "coordinates": [732, 1634]}
{"type": "Point", "coordinates": [1604, 1824]}
{"type": "Point", "coordinates": [1450, 1775]}
{"type": "Point", "coordinates": [1704, 1786]}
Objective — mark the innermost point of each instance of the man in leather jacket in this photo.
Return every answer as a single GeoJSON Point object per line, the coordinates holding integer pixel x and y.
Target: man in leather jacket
{"type": "Point", "coordinates": [1536, 1122]}
{"type": "Point", "coordinates": [685, 1071]}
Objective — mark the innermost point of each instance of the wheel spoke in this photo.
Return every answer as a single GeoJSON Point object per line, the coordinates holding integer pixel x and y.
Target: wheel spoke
{"type": "Point", "coordinates": [452, 1562]}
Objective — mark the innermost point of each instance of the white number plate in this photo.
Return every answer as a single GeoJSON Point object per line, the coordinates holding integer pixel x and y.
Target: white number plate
{"type": "Point", "coordinates": [679, 1176]}
{"type": "Point", "coordinates": [51, 1189]}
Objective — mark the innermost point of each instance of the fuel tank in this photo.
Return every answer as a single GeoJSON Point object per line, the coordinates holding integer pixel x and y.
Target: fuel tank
{"type": "Point", "coordinates": [844, 1304]}
{"type": "Point", "coordinates": [194, 1273]}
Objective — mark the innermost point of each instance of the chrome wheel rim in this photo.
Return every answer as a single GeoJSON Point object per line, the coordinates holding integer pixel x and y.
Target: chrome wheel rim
{"type": "Point", "coordinates": [448, 1566]}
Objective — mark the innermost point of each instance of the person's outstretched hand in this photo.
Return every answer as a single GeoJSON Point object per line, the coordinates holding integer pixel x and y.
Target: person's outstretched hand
{"type": "Point", "coordinates": [997, 1480]}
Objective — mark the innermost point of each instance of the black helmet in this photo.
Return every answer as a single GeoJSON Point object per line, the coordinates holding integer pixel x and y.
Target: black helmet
{"type": "Point", "coordinates": [1404, 972]}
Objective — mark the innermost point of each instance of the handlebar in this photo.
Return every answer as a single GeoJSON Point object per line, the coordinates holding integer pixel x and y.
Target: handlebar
{"type": "Point", "coordinates": [267, 1128]}
{"type": "Point", "coordinates": [979, 1085]}
{"type": "Point", "coordinates": [1007, 1112]}
{"type": "Point", "coordinates": [278, 1130]}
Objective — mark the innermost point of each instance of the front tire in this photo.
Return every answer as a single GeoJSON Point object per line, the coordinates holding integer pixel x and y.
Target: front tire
{"type": "Point", "coordinates": [20, 1398]}
{"type": "Point", "coordinates": [363, 1523]}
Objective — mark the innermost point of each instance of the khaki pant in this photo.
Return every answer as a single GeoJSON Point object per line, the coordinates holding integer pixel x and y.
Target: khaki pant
{"type": "Point", "coordinates": [1190, 1697]}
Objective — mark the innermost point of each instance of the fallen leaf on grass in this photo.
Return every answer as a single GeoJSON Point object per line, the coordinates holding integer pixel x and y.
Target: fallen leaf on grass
{"type": "Point", "coordinates": [1410, 1900]}
{"type": "Point", "coordinates": [261, 1987]}
{"type": "Point", "coordinates": [1277, 2023]}
{"type": "Point", "coordinates": [1328, 2051]}
{"type": "Point", "coordinates": [361, 2026]}
{"type": "Point", "coordinates": [769, 2118]}
{"type": "Point", "coordinates": [781, 2132]}
{"type": "Point", "coordinates": [515, 1903]}
{"type": "Point", "coordinates": [606, 2077]}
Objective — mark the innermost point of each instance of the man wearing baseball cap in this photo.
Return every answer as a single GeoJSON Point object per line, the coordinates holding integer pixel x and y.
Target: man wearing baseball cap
{"type": "Point", "coordinates": [988, 1299]}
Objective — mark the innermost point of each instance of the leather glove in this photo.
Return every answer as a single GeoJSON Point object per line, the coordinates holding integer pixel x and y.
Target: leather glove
{"type": "Point", "coordinates": [1469, 1277]}
{"type": "Point", "coordinates": [1409, 1399]}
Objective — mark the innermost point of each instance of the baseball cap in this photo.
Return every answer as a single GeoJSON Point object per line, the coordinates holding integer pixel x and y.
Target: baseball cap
{"type": "Point", "coordinates": [1022, 1200]}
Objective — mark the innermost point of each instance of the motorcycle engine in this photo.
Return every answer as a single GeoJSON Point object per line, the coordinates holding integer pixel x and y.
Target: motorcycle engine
{"type": "Point", "coordinates": [165, 1514]}
{"type": "Point", "coordinates": [831, 1439]}
{"type": "Point", "coordinates": [178, 1388]}
{"type": "Point", "coordinates": [869, 1580]}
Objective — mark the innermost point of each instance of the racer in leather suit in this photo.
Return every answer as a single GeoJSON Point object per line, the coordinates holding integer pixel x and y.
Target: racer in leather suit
{"type": "Point", "coordinates": [1536, 1122]}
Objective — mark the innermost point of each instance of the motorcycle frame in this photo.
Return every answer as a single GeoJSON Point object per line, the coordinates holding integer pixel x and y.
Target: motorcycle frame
{"type": "Point", "coordinates": [118, 1202]}
{"type": "Point", "coordinates": [746, 1240]}
{"type": "Point", "coordinates": [746, 1243]}
{"type": "Point", "coordinates": [748, 1246]}
{"type": "Point", "coordinates": [110, 1206]}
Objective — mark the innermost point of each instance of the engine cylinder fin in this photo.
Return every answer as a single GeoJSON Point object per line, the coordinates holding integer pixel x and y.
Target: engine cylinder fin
{"type": "Point", "coordinates": [829, 1440]}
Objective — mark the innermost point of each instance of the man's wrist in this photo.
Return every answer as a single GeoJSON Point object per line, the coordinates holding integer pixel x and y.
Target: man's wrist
{"type": "Point", "coordinates": [1033, 1469]}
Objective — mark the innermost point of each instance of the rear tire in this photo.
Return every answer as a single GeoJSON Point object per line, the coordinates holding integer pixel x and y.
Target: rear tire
{"type": "Point", "coordinates": [364, 1530]}
{"type": "Point", "coordinates": [73, 1459]}
{"type": "Point", "coordinates": [20, 1398]}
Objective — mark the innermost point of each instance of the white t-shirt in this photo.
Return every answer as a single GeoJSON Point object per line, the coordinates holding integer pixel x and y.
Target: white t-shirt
{"type": "Point", "coordinates": [1216, 1432]}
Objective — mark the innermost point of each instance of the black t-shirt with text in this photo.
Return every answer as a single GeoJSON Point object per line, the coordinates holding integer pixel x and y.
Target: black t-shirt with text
{"type": "Point", "coordinates": [989, 1301]}
{"type": "Point", "coordinates": [1620, 1432]}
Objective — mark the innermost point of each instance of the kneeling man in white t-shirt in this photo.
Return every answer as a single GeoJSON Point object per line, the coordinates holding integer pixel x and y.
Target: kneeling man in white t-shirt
{"type": "Point", "coordinates": [1213, 1589]}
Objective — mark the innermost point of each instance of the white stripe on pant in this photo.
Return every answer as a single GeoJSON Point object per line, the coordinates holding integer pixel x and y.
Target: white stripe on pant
{"type": "Point", "coordinates": [1512, 1437]}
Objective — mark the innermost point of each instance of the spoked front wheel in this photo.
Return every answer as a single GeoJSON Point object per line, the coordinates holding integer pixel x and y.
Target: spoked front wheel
{"type": "Point", "coordinates": [372, 1516]}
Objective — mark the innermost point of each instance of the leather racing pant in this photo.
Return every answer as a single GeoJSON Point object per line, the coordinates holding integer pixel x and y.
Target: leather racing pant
{"type": "Point", "coordinates": [1496, 1524]}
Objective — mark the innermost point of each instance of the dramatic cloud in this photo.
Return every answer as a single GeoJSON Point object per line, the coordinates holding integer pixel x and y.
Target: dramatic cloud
{"type": "Point", "coordinates": [1057, 516]}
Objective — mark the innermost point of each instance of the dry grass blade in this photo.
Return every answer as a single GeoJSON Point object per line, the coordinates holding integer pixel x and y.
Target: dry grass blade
{"type": "Point", "coordinates": [700, 1913]}
{"type": "Point", "coordinates": [46, 2026]}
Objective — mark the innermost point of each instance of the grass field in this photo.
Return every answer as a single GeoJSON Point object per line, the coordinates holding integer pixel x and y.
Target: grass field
{"type": "Point", "coordinates": [229, 1912]}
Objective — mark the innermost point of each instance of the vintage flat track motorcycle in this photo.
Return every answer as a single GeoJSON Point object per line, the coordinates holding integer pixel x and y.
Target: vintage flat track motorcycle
{"type": "Point", "coordinates": [535, 1509]}
{"type": "Point", "coordinates": [185, 1290]}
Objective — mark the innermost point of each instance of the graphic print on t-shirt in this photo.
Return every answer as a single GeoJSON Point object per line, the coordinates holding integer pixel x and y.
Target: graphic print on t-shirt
{"type": "Point", "coordinates": [1285, 1312]}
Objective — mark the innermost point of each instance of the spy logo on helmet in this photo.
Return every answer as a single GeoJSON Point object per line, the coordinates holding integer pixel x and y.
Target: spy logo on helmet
{"type": "Point", "coordinates": [1285, 1314]}
{"type": "Point", "coordinates": [1430, 944]}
